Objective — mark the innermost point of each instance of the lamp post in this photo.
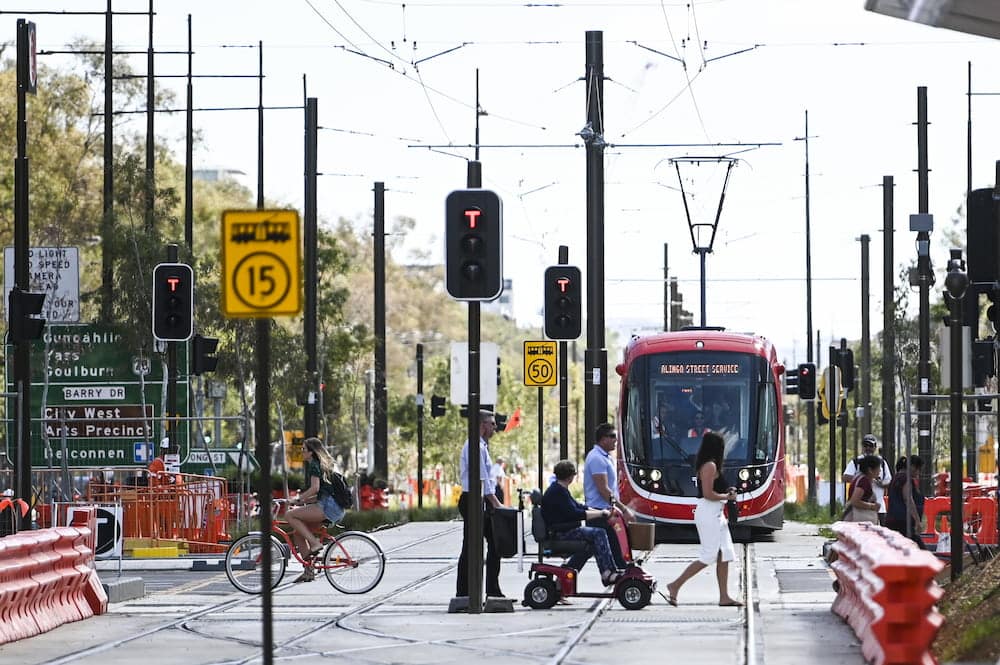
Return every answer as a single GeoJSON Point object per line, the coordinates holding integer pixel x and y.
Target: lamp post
{"type": "Point", "coordinates": [955, 284]}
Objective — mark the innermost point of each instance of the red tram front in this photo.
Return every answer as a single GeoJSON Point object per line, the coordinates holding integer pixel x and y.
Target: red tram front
{"type": "Point", "coordinates": [676, 386]}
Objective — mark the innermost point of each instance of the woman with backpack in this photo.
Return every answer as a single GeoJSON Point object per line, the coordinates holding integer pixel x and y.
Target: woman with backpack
{"type": "Point", "coordinates": [316, 503]}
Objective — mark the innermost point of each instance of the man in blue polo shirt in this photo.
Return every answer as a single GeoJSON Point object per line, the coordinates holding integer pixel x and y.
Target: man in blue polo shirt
{"type": "Point", "coordinates": [600, 484]}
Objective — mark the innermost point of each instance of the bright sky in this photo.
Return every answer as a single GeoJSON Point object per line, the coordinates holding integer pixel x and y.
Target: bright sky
{"type": "Point", "coordinates": [856, 73]}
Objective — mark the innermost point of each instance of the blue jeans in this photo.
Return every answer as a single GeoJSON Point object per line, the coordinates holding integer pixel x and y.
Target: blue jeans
{"type": "Point", "coordinates": [598, 541]}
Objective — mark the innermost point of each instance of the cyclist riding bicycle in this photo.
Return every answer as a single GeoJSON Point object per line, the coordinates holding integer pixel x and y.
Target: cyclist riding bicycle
{"type": "Point", "coordinates": [316, 503]}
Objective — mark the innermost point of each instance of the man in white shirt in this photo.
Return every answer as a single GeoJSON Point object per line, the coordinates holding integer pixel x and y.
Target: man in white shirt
{"type": "Point", "coordinates": [869, 446]}
{"type": "Point", "coordinates": [487, 426]}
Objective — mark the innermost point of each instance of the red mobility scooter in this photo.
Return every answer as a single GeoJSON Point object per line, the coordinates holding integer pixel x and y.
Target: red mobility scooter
{"type": "Point", "coordinates": [550, 582]}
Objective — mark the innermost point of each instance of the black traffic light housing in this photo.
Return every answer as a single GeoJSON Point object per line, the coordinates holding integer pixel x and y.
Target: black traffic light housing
{"type": "Point", "coordinates": [807, 380]}
{"type": "Point", "coordinates": [563, 302]}
{"type": "Point", "coordinates": [203, 354]}
{"type": "Point", "coordinates": [792, 381]}
{"type": "Point", "coordinates": [23, 308]}
{"type": "Point", "coordinates": [173, 302]}
{"type": "Point", "coordinates": [846, 364]}
{"type": "Point", "coordinates": [437, 406]}
{"type": "Point", "coordinates": [501, 420]}
{"type": "Point", "coordinates": [473, 244]}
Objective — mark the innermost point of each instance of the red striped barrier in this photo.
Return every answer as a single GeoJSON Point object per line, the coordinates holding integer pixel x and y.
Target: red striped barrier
{"type": "Point", "coordinates": [887, 593]}
{"type": "Point", "coordinates": [47, 580]}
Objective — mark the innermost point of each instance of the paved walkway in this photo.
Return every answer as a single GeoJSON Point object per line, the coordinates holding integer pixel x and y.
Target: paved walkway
{"type": "Point", "coordinates": [196, 618]}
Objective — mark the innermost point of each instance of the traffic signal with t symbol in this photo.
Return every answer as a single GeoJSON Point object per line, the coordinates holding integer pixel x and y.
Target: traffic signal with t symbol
{"type": "Point", "coordinates": [473, 244]}
{"type": "Point", "coordinates": [563, 307]}
{"type": "Point", "coordinates": [23, 308]}
{"type": "Point", "coordinates": [173, 302]}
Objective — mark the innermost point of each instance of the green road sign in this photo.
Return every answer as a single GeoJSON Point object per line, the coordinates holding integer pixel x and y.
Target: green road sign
{"type": "Point", "coordinates": [95, 402]}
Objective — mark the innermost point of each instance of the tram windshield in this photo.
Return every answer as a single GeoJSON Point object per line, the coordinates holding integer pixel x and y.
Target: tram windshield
{"type": "Point", "coordinates": [674, 398]}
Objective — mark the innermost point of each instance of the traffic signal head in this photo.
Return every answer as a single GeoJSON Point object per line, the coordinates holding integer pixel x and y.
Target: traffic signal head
{"type": "Point", "coordinates": [473, 244]}
{"type": "Point", "coordinates": [501, 420]}
{"type": "Point", "coordinates": [173, 302]}
{"type": "Point", "coordinates": [437, 406]}
{"type": "Point", "coordinates": [792, 381]}
{"type": "Point", "coordinates": [203, 354]}
{"type": "Point", "coordinates": [22, 309]}
{"type": "Point", "coordinates": [807, 381]}
{"type": "Point", "coordinates": [563, 307]}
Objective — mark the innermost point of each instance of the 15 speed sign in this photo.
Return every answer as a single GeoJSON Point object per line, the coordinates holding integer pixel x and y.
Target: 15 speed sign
{"type": "Point", "coordinates": [261, 263]}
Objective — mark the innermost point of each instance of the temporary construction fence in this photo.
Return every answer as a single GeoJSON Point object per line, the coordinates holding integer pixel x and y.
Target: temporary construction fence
{"type": "Point", "coordinates": [172, 508]}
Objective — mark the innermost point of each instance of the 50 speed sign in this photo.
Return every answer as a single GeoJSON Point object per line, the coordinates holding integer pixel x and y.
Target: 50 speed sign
{"type": "Point", "coordinates": [261, 263]}
{"type": "Point", "coordinates": [540, 363]}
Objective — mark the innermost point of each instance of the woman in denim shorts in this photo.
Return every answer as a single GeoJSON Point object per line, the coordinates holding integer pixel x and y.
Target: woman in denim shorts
{"type": "Point", "coordinates": [316, 503]}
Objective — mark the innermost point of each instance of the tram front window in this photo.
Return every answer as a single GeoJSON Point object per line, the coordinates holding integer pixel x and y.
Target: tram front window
{"type": "Point", "coordinates": [674, 398]}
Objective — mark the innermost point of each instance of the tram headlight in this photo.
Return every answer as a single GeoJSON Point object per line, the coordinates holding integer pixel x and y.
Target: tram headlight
{"type": "Point", "coordinates": [744, 474]}
{"type": "Point", "coordinates": [655, 474]}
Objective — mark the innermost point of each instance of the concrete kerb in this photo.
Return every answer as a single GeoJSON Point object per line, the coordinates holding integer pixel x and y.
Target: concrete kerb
{"type": "Point", "coordinates": [124, 588]}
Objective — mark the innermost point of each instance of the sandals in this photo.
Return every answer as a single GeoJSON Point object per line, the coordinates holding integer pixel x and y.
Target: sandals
{"type": "Point", "coordinates": [731, 603]}
{"type": "Point", "coordinates": [315, 552]}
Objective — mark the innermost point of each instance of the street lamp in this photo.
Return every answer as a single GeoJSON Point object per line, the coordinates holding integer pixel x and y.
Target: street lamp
{"type": "Point", "coordinates": [703, 232]}
{"type": "Point", "coordinates": [955, 285]}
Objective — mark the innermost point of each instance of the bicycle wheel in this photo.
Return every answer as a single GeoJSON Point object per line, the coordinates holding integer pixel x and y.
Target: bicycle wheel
{"type": "Point", "coordinates": [354, 563]}
{"type": "Point", "coordinates": [245, 565]}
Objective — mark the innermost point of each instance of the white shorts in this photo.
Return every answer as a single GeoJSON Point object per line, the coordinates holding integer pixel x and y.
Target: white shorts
{"type": "Point", "coordinates": [713, 531]}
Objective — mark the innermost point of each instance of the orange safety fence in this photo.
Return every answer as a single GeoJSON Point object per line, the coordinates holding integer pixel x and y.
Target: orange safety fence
{"type": "Point", "coordinates": [979, 517]}
{"type": "Point", "coordinates": [174, 507]}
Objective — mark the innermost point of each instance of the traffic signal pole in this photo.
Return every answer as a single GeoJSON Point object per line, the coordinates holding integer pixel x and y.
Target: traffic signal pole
{"type": "Point", "coordinates": [926, 274]}
{"type": "Point", "coordinates": [172, 423]}
{"type": "Point", "coordinates": [22, 348]}
{"type": "Point", "coordinates": [595, 356]}
{"type": "Point", "coordinates": [310, 249]}
{"type": "Point", "coordinates": [380, 465]}
{"type": "Point", "coordinates": [563, 381]}
{"type": "Point", "coordinates": [474, 509]}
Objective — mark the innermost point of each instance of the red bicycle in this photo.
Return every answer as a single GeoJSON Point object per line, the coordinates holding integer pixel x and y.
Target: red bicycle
{"type": "Point", "coordinates": [352, 561]}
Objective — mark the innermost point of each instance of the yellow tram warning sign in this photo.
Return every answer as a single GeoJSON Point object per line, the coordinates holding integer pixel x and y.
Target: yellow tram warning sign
{"type": "Point", "coordinates": [540, 363]}
{"type": "Point", "coordinates": [261, 259]}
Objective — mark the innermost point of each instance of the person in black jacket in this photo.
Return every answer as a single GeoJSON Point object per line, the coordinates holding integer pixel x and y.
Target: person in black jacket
{"type": "Point", "coordinates": [563, 514]}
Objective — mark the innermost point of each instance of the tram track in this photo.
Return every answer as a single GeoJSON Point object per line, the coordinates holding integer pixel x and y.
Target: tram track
{"type": "Point", "coordinates": [183, 622]}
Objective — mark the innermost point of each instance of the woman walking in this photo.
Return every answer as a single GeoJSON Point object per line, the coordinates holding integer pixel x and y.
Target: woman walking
{"type": "Point", "coordinates": [711, 522]}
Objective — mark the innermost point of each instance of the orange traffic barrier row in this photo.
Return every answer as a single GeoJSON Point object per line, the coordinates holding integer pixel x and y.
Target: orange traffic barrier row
{"type": "Point", "coordinates": [886, 593]}
{"type": "Point", "coordinates": [979, 518]}
{"type": "Point", "coordinates": [47, 580]}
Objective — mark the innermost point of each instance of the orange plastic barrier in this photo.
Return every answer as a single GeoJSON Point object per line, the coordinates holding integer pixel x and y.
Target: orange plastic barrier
{"type": "Point", "coordinates": [886, 593]}
{"type": "Point", "coordinates": [979, 517]}
{"type": "Point", "coordinates": [174, 507]}
{"type": "Point", "coordinates": [47, 580]}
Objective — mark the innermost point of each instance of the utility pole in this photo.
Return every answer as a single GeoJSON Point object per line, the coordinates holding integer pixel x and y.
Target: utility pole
{"type": "Point", "coordinates": [811, 404]}
{"type": "Point", "coordinates": [311, 249]}
{"type": "Point", "coordinates": [923, 224]}
{"type": "Point", "coordinates": [107, 219]}
{"type": "Point", "coordinates": [888, 378]}
{"type": "Point", "coordinates": [380, 465]}
{"type": "Point", "coordinates": [26, 84]}
{"type": "Point", "coordinates": [420, 425]}
{"type": "Point", "coordinates": [666, 291]}
{"type": "Point", "coordinates": [866, 345]}
{"type": "Point", "coordinates": [150, 137]}
{"type": "Point", "coordinates": [595, 356]}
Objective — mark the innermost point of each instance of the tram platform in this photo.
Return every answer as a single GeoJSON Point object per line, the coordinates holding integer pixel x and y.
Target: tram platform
{"type": "Point", "coordinates": [196, 617]}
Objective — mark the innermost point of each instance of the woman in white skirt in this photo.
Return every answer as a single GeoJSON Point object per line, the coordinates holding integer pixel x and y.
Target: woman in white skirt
{"type": "Point", "coordinates": [710, 519]}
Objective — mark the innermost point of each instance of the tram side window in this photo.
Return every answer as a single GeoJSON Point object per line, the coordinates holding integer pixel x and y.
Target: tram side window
{"type": "Point", "coordinates": [767, 424]}
{"type": "Point", "coordinates": [634, 453]}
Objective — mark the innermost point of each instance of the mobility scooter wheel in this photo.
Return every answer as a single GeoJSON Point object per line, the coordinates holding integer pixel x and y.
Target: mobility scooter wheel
{"type": "Point", "coordinates": [540, 594]}
{"type": "Point", "coordinates": [633, 594]}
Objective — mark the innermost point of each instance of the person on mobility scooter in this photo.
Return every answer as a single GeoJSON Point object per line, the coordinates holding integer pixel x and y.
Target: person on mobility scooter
{"type": "Point", "coordinates": [556, 518]}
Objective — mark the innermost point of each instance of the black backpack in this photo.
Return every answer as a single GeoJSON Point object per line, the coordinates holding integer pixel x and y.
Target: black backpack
{"type": "Point", "coordinates": [341, 491]}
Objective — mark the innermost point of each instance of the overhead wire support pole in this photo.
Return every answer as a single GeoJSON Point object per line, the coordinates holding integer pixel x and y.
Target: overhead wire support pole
{"type": "Point", "coordinates": [811, 404]}
{"type": "Point", "coordinates": [926, 277]}
{"type": "Point", "coordinates": [150, 200]}
{"type": "Point", "coordinates": [595, 355]}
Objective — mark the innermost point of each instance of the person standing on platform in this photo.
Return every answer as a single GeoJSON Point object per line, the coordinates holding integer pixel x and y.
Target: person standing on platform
{"type": "Point", "coordinates": [487, 427]}
{"type": "Point", "coordinates": [600, 485]}
{"type": "Point", "coordinates": [906, 503]}
{"type": "Point", "coordinates": [710, 520]}
{"type": "Point", "coordinates": [869, 445]}
{"type": "Point", "coordinates": [498, 474]}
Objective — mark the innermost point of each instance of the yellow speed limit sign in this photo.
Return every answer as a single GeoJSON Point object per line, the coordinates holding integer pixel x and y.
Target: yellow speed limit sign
{"type": "Point", "coordinates": [540, 363]}
{"type": "Point", "coordinates": [261, 263]}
